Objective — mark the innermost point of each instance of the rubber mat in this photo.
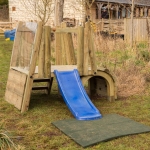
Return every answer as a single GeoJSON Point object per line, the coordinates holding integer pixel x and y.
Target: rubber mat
{"type": "Point", "coordinates": [88, 133]}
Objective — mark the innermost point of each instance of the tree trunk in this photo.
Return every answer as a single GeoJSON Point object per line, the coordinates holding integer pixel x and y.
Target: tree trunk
{"type": "Point", "coordinates": [59, 5]}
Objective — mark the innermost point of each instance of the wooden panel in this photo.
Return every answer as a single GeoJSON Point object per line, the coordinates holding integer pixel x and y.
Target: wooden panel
{"type": "Point", "coordinates": [68, 44]}
{"type": "Point", "coordinates": [13, 99]}
{"type": "Point", "coordinates": [71, 47]}
{"type": "Point", "coordinates": [15, 88]}
{"type": "Point", "coordinates": [28, 27]}
{"type": "Point", "coordinates": [139, 30]}
{"type": "Point", "coordinates": [22, 48]}
{"type": "Point", "coordinates": [16, 47]}
{"type": "Point", "coordinates": [28, 89]}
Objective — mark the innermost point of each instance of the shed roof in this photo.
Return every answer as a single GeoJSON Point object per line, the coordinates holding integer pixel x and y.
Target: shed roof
{"type": "Point", "coordinates": [138, 2]}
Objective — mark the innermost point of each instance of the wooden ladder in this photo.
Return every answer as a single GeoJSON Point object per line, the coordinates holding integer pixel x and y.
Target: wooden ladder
{"type": "Point", "coordinates": [47, 87]}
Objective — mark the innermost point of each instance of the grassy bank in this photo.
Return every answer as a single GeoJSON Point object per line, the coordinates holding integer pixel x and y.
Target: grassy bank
{"type": "Point", "coordinates": [33, 130]}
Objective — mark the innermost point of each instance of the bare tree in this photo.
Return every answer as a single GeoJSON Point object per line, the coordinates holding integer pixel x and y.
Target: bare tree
{"type": "Point", "coordinates": [58, 17]}
{"type": "Point", "coordinates": [41, 9]}
{"type": "Point", "coordinates": [86, 5]}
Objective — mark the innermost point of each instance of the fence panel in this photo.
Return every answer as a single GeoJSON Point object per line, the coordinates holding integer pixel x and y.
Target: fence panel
{"type": "Point", "coordinates": [139, 30]}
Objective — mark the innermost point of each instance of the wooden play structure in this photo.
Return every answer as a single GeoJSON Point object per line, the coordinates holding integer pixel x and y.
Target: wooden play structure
{"type": "Point", "coordinates": [31, 62]}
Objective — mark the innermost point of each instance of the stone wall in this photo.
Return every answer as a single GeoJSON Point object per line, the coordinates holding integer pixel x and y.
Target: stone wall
{"type": "Point", "coordinates": [4, 15]}
{"type": "Point", "coordinates": [18, 12]}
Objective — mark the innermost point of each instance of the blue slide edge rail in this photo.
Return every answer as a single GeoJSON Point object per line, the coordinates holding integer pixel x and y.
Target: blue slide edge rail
{"type": "Point", "coordinates": [78, 113]}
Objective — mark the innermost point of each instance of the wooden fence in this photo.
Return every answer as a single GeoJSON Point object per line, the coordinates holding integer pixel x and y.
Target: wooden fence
{"type": "Point", "coordinates": [124, 27]}
{"type": "Point", "coordinates": [140, 33]}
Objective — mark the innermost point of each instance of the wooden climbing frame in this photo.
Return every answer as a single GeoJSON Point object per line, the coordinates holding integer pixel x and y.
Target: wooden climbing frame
{"type": "Point", "coordinates": [31, 55]}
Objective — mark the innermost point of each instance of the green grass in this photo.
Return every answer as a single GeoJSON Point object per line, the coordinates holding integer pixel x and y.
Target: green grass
{"type": "Point", "coordinates": [33, 130]}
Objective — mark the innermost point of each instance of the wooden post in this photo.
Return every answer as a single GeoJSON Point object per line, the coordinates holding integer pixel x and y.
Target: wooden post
{"type": "Point", "coordinates": [137, 12]}
{"type": "Point", "coordinates": [128, 12]}
{"type": "Point", "coordinates": [80, 49]}
{"type": "Point", "coordinates": [28, 88]}
{"type": "Point", "coordinates": [41, 61]}
{"type": "Point", "coordinates": [64, 59]}
{"type": "Point", "coordinates": [92, 53]}
{"type": "Point", "coordinates": [132, 21]}
{"type": "Point", "coordinates": [117, 11]}
{"type": "Point", "coordinates": [148, 12]}
{"type": "Point", "coordinates": [47, 36]}
{"type": "Point", "coordinates": [123, 12]}
{"type": "Point", "coordinates": [102, 24]}
{"type": "Point", "coordinates": [58, 48]}
{"type": "Point", "coordinates": [141, 12]}
{"type": "Point", "coordinates": [145, 11]}
{"type": "Point", "coordinates": [99, 6]}
{"type": "Point", "coordinates": [125, 29]}
{"type": "Point", "coordinates": [86, 48]}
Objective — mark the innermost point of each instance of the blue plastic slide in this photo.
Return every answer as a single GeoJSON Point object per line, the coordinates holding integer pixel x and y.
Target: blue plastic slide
{"type": "Point", "coordinates": [75, 96]}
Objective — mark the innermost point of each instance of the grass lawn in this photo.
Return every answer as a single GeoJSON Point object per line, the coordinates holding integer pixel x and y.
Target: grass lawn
{"type": "Point", "coordinates": [33, 130]}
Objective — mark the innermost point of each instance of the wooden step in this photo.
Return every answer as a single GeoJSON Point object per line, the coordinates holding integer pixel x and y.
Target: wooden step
{"type": "Point", "coordinates": [42, 80]}
{"type": "Point", "coordinates": [40, 88]}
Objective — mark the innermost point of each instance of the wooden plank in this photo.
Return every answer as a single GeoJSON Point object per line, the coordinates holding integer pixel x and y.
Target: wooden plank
{"type": "Point", "coordinates": [23, 70]}
{"type": "Point", "coordinates": [40, 88]}
{"type": "Point", "coordinates": [41, 61]}
{"type": "Point", "coordinates": [15, 88]}
{"type": "Point", "coordinates": [80, 50]}
{"type": "Point", "coordinates": [47, 36]}
{"type": "Point", "coordinates": [26, 99]}
{"type": "Point", "coordinates": [28, 43]}
{"type": "Point", "coordinates": [64, 51]}
{"type": "Point", "coordinates": [6, 22]}
{"type": "Point", "coordinates": [66, 47]}
{"type": "Point", "coordinates": [58, 48]}
{"type": "Point", "coordinates": [86, 48]}
{"type": "Point", "coordinates": [16, 47]}
{"type": "Point", "coordinates": [28, 27]}
{"type": "Point", "coordinates": [70, 54]}
{"type": "Point", "coordinates": [13, 99]}
{"type": "Point", "coordinates": [21, 50]}
{"type": "Point", "coordinates": [16, 82]}
{"type": "Point", "coordinates": [71, 49]}
{"type": "Point", "coordinates": [64, 59]}
{"type": "Point", "coordinates": [67, 30]}
{"type": "Point", "coordinates": [92, 53]}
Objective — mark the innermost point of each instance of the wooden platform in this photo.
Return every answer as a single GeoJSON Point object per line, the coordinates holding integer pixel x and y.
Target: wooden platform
{"type": "Point", "coordinates": [55, 67]}
{"type": "Point", "coordinates": [103, 83]}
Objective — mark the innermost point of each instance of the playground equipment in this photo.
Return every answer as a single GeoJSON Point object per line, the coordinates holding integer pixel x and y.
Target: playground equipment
{"type": "Point", "coordinates": [30, 62]}
{"type": "Point", "coordinates": [76, 99]}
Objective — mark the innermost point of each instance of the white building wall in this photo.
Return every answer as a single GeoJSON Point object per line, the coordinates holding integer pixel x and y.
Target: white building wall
{"type": "Point", "coordinates": [72, 9]}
